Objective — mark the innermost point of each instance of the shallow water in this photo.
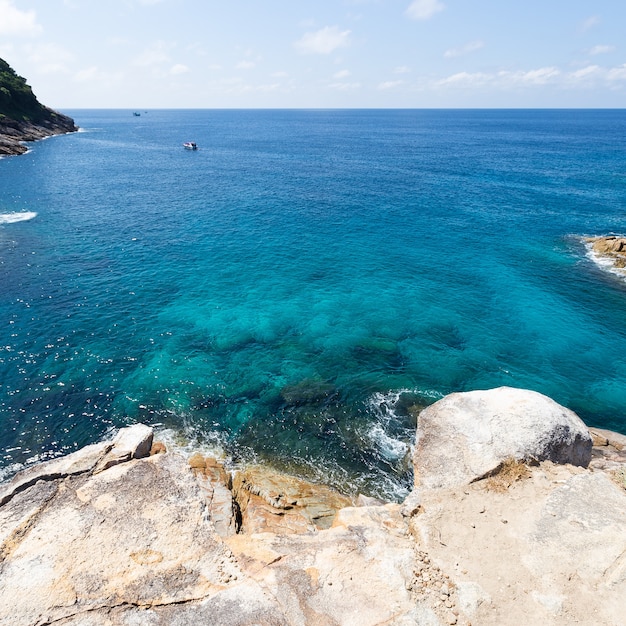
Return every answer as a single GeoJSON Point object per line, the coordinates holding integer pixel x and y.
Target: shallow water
{"type": "Point", "coordinates": [294, 286]}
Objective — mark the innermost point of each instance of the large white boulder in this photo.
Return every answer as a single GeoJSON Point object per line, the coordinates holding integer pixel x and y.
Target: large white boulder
{"type": "Point", "coordinates": [466, 436]}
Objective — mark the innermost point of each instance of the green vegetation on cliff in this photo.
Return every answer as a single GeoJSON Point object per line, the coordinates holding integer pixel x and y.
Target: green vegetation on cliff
{"type": "Point", "coordinates": [22, 117]}
{"type": "Point", "coordinates": [17, 100]}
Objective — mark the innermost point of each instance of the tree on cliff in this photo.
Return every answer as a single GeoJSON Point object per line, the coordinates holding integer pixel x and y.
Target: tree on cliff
{"type": "Point", "coordinates": [17, 100]}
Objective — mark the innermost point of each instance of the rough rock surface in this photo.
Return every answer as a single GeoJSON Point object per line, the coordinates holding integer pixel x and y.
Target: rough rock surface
{"type": "Point", "coordinates": [14, 133]}
{"type": "Point", "coordinates": [466, 436]}
{"type": "Point", "coordinates": [273, 502]}
{"type": "Point", "coordinates": [160, 540]}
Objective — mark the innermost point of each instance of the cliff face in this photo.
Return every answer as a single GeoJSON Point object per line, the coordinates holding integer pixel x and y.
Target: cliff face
{"type": "Point", "coordinates": [123, 532]}
{"type": "Point", "coordinates": [23, 117]}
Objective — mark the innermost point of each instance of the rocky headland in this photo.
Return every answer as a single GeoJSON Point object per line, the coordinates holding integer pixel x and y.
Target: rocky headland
{"type": "Point", "coordinates": [22, 117]}
{"type": "Point", "coordinates": [518, 516]}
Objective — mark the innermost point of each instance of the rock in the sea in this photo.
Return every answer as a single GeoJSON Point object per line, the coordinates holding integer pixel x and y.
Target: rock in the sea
{"type": "Point", "coordinates": [467, 436]}
{"type": "Point", "coordinates": [611, 247]}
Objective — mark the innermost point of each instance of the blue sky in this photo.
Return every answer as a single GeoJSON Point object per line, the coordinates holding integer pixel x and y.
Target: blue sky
{"type": "Point", "coordinates": [296, 53]}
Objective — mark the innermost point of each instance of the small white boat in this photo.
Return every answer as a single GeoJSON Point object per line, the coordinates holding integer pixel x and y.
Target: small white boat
{"type": "Point", "coordinates": [190, 145]}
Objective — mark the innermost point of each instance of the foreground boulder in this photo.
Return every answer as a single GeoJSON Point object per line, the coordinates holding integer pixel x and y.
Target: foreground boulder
{"type": "Point", "coordinates": [467, 436]}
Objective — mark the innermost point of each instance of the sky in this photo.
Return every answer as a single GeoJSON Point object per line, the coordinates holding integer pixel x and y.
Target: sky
{"type": "Point", "coordinates": [318, 54]}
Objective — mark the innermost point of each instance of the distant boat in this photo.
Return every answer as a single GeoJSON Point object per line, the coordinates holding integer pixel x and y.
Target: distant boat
{"type": "Point", "coordinates": [136, 114]}
{"type": "Point", "coordinates": [190, 145]}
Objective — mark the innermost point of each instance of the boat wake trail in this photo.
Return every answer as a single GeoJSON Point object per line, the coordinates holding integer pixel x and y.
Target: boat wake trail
{"type": "Point", "coordinates": [11, 218]}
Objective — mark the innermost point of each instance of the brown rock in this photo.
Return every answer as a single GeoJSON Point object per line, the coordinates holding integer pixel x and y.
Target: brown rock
{"type": "Point", "coordinates": [273, 502]}
{"type": "Point", "coordinates": [158, 448]}
{"type": "Point", "coordinates": [197, 462]}
{"type": "Point", "coordinates": [611, 247]}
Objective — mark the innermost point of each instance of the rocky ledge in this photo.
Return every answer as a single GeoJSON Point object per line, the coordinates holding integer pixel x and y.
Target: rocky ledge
{"type": "Point", "coordinates": [518, 516]}
{"type": "Point", "coordinates": [14, 133]}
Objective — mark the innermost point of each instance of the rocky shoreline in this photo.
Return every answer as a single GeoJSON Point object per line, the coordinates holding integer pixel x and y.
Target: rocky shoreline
{"type": "Point", "coordinates": [14, 133]}
{"type": "Point", "coordinates": [518, 516]}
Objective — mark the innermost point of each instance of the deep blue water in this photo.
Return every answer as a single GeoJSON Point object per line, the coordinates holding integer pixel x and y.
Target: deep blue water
{"type": "Point", "coordinates": [294, 286]}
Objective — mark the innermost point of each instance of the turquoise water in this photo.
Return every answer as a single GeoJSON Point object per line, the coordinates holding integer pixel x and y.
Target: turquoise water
{"type": "Point", "coordinates": [290, 289]}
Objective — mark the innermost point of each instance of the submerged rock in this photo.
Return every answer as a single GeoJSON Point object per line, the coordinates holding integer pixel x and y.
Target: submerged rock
{"type": "Point", "coordinates": [308, 391]}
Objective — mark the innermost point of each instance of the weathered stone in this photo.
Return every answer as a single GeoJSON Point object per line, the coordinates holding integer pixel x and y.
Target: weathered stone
{"type": "Point", "coordinates": [133, 442]}
{"type": "Point", "coordinates": [565, 539]}
{"type": "Point", "coordinates": [602, 437]}
{"type": "Point", "coordinates": [79, 462]}
{"type": "Point", "coordinates": [411, 504]}
{"type": "Point", "coordinates": [466, 436]}
{"type": "Point", "coordinates": [133, 534]}
{"type": "Point", "coordinates": [215, 483]}
{"type": "Point", "coordinates": [273, 502]}
{"type": "Point", "coordinates": [158, 447]}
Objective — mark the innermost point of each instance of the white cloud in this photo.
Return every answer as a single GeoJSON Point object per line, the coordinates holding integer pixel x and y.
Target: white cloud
{"type": "Point", "coordinates": [585, 77]}
{"type": "Point", "coordinates": [601, 50]}
{"type": "Point", "coordinates": [323, 41]}
{"type": "Point", "coordinates": [179, 68]}
{"type": "Point", "coordinates": [279, 75]}
{"type": "Point", "coordinates": [16, 22]}
{"type": "Point", "coordinates": [589, 23]}
{"type": "Point", "coordinates": [401, 69]}
{"type": "Point", "coordinates": [424, 9]}
{"type": "Point", "coordinates": [155, 54]}
{"type": "Point", "coordinates": [341, 74]}
{"type": "Point", "coordinates": [390, 84]}
{"type": "Point", "coordinates": [88, 74]}
{"type": "Point", "coordinates": [345, 86]}
{"type": "Point", "coordinates": [245, 65]}
{"type": "Point", "coordinates": [540, 76]}
{"type": "Point", "coordinates": [468, 48]}
{"type": "Point", "coordinates": [591, 75]}
{"type": "Point", "coordinates": [49, 58]}
{"type": "Point", "coordinates": [617, 73]}
{"type": "Point", "coordinates": [465, 79]}
{"type": "Point", "coordinates": [585, 72]}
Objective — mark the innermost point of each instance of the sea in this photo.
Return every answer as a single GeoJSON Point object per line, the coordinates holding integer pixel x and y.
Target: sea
{"type": "Point", "coordinates": [295, 290]}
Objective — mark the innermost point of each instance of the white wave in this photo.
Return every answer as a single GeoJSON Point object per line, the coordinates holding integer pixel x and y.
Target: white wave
{"type": "Point", "coordinates": [390, 448]}
{"type": "Point", "coordinates": [392, 441]}
{"type": "Point", "coordinates": [384, 405]}
{"type": "Point", "coordinates": [189, 441]}
{"type": "Point", "coordinates": [12, 218]}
